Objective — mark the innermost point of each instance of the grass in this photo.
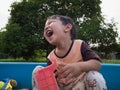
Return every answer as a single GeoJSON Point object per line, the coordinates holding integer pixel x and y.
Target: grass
{"type": "Point", "coordinates": [12, 60]}
{"type": "Point", "coordinates": [43, 59]}
{"type": "Point", "coordinates": [116, 61]}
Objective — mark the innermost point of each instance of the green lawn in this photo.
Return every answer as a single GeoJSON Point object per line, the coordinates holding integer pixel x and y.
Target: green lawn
{"type": "Point", "coordinates": [44, 60]}
{"type": "Point", "coordinates": [111, 61]}
{"type": "Point", "coordinates": [23, 60]}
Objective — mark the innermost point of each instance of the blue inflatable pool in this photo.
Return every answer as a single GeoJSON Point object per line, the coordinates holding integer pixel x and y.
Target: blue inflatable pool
{"type": "Point", "coordinates": [22, 72]}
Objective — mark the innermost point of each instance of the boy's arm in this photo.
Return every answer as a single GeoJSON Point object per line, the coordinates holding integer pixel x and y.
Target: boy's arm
{"type": "Point", "coordinates": [88, 53]}
{"type": "Point", "coordinates": [89, 65]}
{"type": "Point", "coordinates": [91, 60]}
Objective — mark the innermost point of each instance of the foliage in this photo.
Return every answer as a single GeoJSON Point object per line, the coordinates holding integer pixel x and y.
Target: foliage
{"type": "Point", "coordinates": [23, 35]}
{"type": "Point", "coordinates": [101, 35]}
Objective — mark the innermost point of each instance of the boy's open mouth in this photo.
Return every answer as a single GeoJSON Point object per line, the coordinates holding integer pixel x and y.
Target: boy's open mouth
{"type": "Point", "coordinates": [49, 33]}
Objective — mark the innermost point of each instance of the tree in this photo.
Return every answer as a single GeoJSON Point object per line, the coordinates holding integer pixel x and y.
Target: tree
{"type": "Point", "coordinates": [24, 32]}
{"type": "Point", "coordinates": [23, 35]}
{"type": "Point", "coordinates": [2, 35]}
{"type": "Point", "coordinates": [98, 32]}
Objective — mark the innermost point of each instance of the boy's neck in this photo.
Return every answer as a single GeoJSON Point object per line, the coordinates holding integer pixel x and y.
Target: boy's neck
{"type": "Point", "coordinates": [63, 48]}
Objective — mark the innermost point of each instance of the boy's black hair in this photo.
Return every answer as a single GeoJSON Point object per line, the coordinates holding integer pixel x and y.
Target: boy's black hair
{"type": "Point", "coordinates": [65, 20]}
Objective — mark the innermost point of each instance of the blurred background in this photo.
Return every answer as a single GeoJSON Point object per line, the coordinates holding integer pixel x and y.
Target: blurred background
{"type": "Point", "coordinates": [22, 23]}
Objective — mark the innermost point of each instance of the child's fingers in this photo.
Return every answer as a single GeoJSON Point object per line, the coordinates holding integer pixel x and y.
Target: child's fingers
{"type": "Point", "coordinates": [70, 75]}
{"type": "Point", "coordinates": [67, 81]}
{"type": "Point", "coordinates": [70, 80]}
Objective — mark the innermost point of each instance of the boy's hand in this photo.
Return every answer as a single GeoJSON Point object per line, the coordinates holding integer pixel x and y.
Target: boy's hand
{"type": "Point", "coordinates": [66, 73]}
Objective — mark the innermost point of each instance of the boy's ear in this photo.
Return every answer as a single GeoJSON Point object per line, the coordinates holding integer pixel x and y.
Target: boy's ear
{"type": "Point", "coordinates": [68, 27]}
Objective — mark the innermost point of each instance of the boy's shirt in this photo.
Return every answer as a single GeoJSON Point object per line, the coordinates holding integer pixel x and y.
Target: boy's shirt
{"type": "Point", "coordinates": [79, 51]}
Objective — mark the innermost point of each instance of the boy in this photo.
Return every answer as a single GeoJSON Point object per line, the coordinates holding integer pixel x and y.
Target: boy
{"type": "Point", "coordinates": [77, 63]}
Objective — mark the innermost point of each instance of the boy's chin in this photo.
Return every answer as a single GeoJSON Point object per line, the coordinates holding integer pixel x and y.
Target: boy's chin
{"type": "Point", "coordinates": [51, 42]}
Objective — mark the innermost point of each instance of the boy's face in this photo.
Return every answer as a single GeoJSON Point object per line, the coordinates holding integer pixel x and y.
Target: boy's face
{"type": "Point", "coordinates": [54, 31]}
